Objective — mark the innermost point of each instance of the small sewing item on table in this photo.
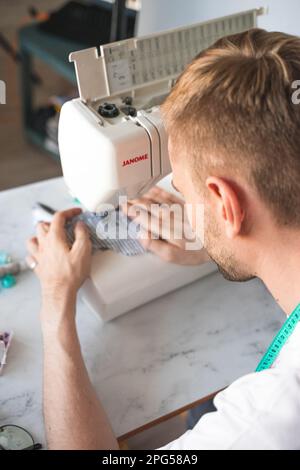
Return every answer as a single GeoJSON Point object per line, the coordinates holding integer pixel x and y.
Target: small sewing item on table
{"type": "Point", "coordinates": [5, 340]}
{"type": "Point", "coordinates": [42, 213]}
{"type": "Point", "coordinates": [7, 278]}
{"type": "Point", "coordinates": [9, 269]}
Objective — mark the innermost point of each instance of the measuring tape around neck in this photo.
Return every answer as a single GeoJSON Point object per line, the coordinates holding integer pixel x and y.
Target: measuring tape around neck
{"type": "Point", "coordinates": [279, 341]}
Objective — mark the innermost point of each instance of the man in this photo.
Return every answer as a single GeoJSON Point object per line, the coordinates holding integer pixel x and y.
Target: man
{"type": "Point", "coordinates": [234, 145]}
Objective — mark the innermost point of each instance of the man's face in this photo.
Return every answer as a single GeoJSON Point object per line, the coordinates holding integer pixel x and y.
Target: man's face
{"type": "Point", "coordinates": [227, 253]}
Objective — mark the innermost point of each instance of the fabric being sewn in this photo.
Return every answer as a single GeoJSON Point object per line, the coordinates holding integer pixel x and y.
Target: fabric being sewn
{"type": "Point", "coordinates": [111, 230]}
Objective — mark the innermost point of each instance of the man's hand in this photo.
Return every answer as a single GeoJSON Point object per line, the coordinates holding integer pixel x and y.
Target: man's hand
{"type": "Point", "coordinates": [74, 417]}
{"type": "Point", "coordinates": [167, 243]}
{"type": "Point", "coordinates": [60, 268]}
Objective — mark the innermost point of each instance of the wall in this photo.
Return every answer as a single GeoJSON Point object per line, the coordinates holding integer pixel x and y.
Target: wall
{"type": "Point", "coordinates": [157, 15]}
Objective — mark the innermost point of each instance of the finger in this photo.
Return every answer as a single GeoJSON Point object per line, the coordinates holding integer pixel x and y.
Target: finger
{"type": "Point", "coordinates": [163, 249]}
{"type": "Point", "coordinates": [162, 196]}
{"type": "Point", "coordinates": [157, 195]}
{"type": "Point", "coordinates": [146, 205]}
{"type": "Point", "coordinates": [42, 229]}
{"type": "Point", "coordinates": [145, 197]}
{"type": "Point", "coordinates": [59, 220]}
{"type": "Point", "coordinates": [125, 207]}
{"type": "Point", "coordinates": [32, 245]}
{"type": "Point", "coordinates": [160, 207]}
{"type": "Point", "coordinates": [82, 240]}
{"type": "Point", "coordinates": [161, 233]}
{"type": "Point", "coordinates": [146, 219]}
{"type": "Point", "coordinates": [143, 202]}
{"type": "Point", "coordinates": [132, 208]}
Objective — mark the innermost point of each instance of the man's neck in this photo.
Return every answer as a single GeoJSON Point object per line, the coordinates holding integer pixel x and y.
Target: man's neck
{"type": "Point", "coordinates": [279, 268]}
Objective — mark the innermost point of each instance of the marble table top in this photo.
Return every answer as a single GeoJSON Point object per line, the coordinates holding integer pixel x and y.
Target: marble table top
{"type": "Point", "coordinates": [145, 364]}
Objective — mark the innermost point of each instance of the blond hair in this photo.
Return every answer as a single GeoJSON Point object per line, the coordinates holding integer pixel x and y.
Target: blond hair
{"type": "Point", "coordinates": [232, 108]}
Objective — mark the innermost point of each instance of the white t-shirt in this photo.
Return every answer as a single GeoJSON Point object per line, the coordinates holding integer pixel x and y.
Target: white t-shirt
{"type": "Point", "coordinates": [258, 411]}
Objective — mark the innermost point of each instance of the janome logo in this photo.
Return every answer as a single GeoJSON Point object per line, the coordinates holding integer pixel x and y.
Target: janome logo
{"type": "Point", "coordinates": [137, 159]}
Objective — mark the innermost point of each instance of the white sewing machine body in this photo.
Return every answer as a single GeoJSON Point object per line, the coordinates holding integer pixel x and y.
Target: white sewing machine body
{"type": "Point", "coordinates": [112, 142]}
{"type": "Point", "coordinates": [125, 157]}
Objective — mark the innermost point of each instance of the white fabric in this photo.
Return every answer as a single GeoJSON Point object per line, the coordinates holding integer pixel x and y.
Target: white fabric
{"type": "Point", "coordinates": [258, 411]}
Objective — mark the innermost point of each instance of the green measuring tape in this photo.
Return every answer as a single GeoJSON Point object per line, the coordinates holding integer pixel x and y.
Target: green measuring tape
{"type": "Point", "coordinates": [279, 341]}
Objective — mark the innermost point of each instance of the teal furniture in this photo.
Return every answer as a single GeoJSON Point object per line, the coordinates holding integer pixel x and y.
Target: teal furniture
{"type": "Point", "coordinates": [53, 51]}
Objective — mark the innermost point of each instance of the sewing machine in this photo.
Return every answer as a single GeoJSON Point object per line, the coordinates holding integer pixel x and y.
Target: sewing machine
{"type": "Point", "coordinates": [112, 142]}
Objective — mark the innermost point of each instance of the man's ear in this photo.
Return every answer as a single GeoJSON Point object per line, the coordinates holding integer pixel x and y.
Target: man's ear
{"type": "Point", "coordinates": [227, 204]}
